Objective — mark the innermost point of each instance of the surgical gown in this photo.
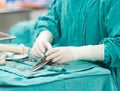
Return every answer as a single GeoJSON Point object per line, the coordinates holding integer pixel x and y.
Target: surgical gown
{"type": "Point", "coordinates": [24, 32]}
{"type": "Point", "coordinates": [86, 22]}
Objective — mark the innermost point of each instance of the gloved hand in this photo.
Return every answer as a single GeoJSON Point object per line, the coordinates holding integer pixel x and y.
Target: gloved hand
{"type": "Point", "coordinates": [42, 44]}
{"type": "Point", "coordinates": [67, 54]}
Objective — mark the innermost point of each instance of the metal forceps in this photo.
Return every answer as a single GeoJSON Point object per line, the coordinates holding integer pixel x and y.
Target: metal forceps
{"type": "Point", "coordinates": [42, 62]}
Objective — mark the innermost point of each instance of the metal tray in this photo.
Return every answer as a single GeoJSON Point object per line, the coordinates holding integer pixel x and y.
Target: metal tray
{"type": "Point", "coordinates": [6, 38]}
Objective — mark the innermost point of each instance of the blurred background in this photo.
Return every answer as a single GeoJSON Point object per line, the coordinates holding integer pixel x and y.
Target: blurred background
{"type": "Point", "coordinates": [14, 11]}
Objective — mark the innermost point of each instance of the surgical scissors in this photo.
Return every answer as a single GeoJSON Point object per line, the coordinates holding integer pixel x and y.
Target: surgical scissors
{"type": "Point", "coordinates": [41, 63]}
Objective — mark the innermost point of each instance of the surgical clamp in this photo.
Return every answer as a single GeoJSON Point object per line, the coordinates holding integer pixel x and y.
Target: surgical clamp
{"type": "Point", "coordinates": [41, 63]}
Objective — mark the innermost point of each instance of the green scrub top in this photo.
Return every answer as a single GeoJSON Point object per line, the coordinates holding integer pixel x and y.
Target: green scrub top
{"type": "Point", "coordinates": [25, 33]}
{"type": "Point", "coordinates": [78, 23]}
{"type": "Point", "coordinates": [85, 22]}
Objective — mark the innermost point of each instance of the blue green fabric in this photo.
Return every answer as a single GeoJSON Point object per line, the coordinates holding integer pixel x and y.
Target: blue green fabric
{"type": "Point", "coordinates": [76, 29]}
{"type": "Point", "coordinates": [118, 79]}
{"type": "Point", "coordinates": [75, 80]}
{"type": "Point", "coordinates": [86, 22]}
{"type": "Point", "coordinates": [22, 68]}
{"type": "Point", "coordinates": [25, 33]}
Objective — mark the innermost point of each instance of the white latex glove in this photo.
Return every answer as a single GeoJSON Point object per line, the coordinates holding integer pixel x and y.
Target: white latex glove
{"type": "Point", "coordinates": [42, 44]}
{"type": "Point", "coordinates": [67, 54]}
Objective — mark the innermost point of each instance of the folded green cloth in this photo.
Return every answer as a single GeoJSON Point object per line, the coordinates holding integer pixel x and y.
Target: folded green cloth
{"type": "Point", "coordinates": [19, 74]}
{"type": "Point", "coordinates": [23, 69]}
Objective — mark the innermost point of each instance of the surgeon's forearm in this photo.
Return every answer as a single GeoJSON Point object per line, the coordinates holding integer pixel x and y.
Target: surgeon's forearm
{"type": "Point", "coordinates": [46, 35]}
{"type": "Point", "coordinates": [90, 52]}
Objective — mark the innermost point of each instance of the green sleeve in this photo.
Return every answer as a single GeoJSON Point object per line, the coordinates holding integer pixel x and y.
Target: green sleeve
{"type": "Point", "coordinates": [51, 20]}
{"type": "Point", "coordinates": [112, 42]}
